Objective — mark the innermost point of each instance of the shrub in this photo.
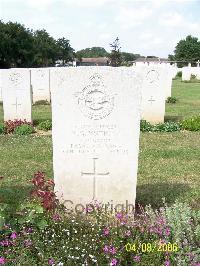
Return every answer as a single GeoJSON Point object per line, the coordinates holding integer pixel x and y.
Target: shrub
{"type": "Point", "coordinates": [161, 127]}
{"type": "Point", "coordinates": [45, 125]}
{"type": "Point", "coordinates": [23, 130]}
{"type": "Point", "coordinates": [2, 129]}
{"type": "Point", "coordinates": [171, 100]}
{"type": "Point", "coordinates": [179, 74]}
{"type": "Point", "coordinates": [145, 126]}
{"type": "Point", "coordinates": [42, 102]}
{"type": "Point", "coordinates": [192, 124]}
{"type": "Point", "coordinates": [11, 125]}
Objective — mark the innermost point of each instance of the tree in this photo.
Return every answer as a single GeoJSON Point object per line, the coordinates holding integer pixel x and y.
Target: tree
{"type": "Point", "coordinates": [115, 55]}
{"type": "Point", "coordinates": [22, 47]}
{"type": "Point", "coordinates": [128, 58]}
{"type": "Point", "coordinates": [65, 52]}
{"type": "Point", "coordinates": [46, 49]}
{"type": "Point", "coordinates": [188, 50]}
{"type": "Point", "coordinates": [91, 53]}
{"type": "Point", "coordinates": [16, 45]}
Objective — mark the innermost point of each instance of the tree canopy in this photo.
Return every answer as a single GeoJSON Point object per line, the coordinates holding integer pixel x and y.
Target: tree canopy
{"type": "Point", "coordinates": [187, 50]}
{"type": "Point", "coordinates": [22, 47]}
{"type": "Point", "coordinates": [91, 53]}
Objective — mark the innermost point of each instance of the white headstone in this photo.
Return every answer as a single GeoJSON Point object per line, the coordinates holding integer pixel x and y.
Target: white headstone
{"type": "Point", "coordinates": [96, 126]}
{"type": "Point", "coordinates": [40, 82]}
{"type": "Point", "coordinates": [186, 73]}
{"type": "Point", "coordinates": [17, 103]}
{"type": "Point", "coordinates": [154, 93]}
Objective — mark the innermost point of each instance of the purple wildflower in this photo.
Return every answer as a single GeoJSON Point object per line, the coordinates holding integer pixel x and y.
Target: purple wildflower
{"type": "Point", "coordinates": [13, 235]}
{"type": "Point", "coordinates": [136, 258]}
{"type": "Point", "coordinates": [5, 243]}
{"type": "Point", "coordinates": [167, 263]}
{"type": "Point", "coordinates": [167, 231]}
{"type": "Point", "coordinates": [29, 230]}
{"type": "Point", "coordinates": [106, 249]}
{"type": "Point", "coordinates": [112, 250]}
{"type": "Point", "coordinates": [27, 243]}
{"type": "Point", "coordinates": [106, 231]}
{"type": "Point", "coordinates": [113, 262]}
{"type": "Point", "coordinates": [2, 260]}
{"type": "Point", "coordinates": [56, 217]}
{"type": "Point", "coordinates": [51, 261]}
{"type": "Point", "coordinates": [128, 233]}
{"type": "Point", "coordinates": [119, 215]}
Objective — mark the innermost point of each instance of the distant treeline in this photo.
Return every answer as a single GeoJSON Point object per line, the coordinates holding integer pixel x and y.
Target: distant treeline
{"type": "Point", "coordinates": [23, 47]}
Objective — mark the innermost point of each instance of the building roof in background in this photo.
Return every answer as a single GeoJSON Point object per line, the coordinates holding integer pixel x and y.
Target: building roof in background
{"type": "Point", "coordinates": [151, 59]}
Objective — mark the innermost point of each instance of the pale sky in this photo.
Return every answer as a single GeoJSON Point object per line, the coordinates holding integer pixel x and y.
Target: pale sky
{"type": "Point", "coordinates": [148, 27]}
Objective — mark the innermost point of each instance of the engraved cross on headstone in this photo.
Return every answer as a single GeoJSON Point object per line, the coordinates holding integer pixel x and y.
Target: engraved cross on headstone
{"type": "Point", "coordinates": [94, 174]}
{"type": "Point", "coordinates": [198, 63]}
{"type": "Point", "coordinates": [16, 104]}
{"type": "Point", "coordinates": [151, 100]}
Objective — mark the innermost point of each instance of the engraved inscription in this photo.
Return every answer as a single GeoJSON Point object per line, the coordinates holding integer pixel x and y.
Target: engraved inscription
{"type": "Point", "coordinates": [15, 78]}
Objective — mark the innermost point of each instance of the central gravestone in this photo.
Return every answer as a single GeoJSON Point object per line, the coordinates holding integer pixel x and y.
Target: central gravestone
{"type": "Point", "coordinates": [96, 125]}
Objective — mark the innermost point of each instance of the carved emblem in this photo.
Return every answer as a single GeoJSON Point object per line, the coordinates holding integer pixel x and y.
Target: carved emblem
{"type": "Point", "coordinates": [94, 101]}
{"type": "Point", "coordinates": [152, 76]}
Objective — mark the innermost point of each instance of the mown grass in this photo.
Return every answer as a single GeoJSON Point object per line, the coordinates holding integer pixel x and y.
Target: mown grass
{"type": "Point", "coordinates": [168, 163]}
{"type": "Point", "coordinates": [188, 101]}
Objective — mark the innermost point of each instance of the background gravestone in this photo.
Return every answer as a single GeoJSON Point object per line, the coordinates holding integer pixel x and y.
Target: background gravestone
{"type": "Point", "coordinates": [17, 102]}
{"type": "Point", "coordinates": [153, 94]}
{"type": "Point", "coordinates": [96, 125]}
{"type": "Point", "coordinates": [40, 82]}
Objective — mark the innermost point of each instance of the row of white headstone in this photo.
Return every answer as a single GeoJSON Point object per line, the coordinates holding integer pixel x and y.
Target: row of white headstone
{"type": "Point", "coordinates": [21, 87]}
{"type": "Point", "coordinates": [96, 114]}
{"type": "Point", "coordinates": [187, 73]}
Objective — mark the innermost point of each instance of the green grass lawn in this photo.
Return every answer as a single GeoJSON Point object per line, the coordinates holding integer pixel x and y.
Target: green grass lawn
{"type": "Point", "coordinates": [188, 100]}
{"type": "Point", "coordinates": [168, 163]}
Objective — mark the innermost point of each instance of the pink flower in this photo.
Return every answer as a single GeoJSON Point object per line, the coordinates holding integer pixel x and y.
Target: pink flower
{"type": "Point", "coordinates": [2, 260]}
{"type": "Point", "coordinates": [51, 261]}
{"type": "Point", "coordinates": [5, 243]}
{"type": "Point", "coordinates": [167, 231]}
{"type": "Point", "coordinates": [56, 217]}
{"type": "Point", "coordinates": [167, 263]}
{"type": "Point", "coordinates": [106, 249]}
{"type": "Point", "coordinates": [113, 262]}
{"type": "Point", "coordinates": [128, 233]}
{"type": "Point", "coordinates": [119, 215]}
{"type": "Point", "coordinates": [112, 250]}
{"type": "Point", "coordinates": [13, 235]}
{"type": "Point", "coordinates": [106, 231]}
{"type": "Point", "coordinates": [136, 258]}
{"type": "Point", "coordinates": [27, 243]}
{"type": "Point", "coordinates": [197, 264]}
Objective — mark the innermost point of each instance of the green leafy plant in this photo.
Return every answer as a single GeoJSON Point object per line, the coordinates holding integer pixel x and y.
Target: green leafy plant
{"type": "Point", "coordinates": [179, 74]}
{"type": "Point", "coordinates": [191, 124]}
{"type": "Point", "coordinates": [171, 100]}
{"type": "Point", "coordinates": [2, 129]}
{"type": "Point", "coordinates": [45, 125]}
{"type": "Point", "coordinates": [161, 127]}
{"type": "Point", "coordinates": [42, 102]}
{"type": "Point", "coordinates": [145, 126]}
{"type": "Point", "coordinates": [24, 130]}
